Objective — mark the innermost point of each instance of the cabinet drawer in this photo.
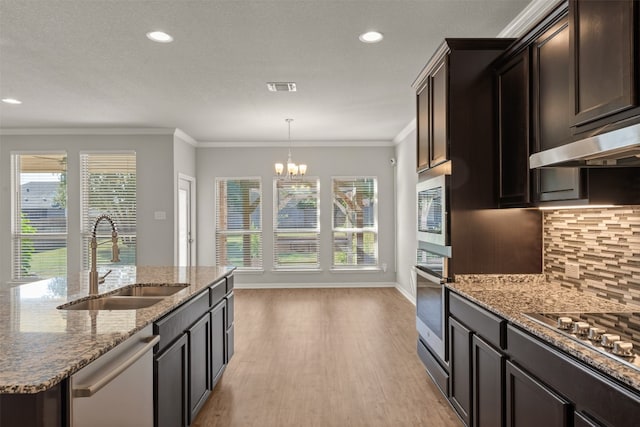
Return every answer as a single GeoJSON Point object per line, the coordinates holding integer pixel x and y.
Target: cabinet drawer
{"type": "Point", "coordinates": [217, 291]}
{"type": "Point", "coordinates": [489, 326]}
{"type": "Point", "coordinates": [609, 403]}
{"type": "Point", "coordinates": [440, 376]}
{"type": "Point", "coordinates": [175, 323]}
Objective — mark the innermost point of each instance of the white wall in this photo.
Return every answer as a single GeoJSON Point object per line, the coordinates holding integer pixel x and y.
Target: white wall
{"type": "Point", "coordinates": [154, 186]}
{"type": "Point", "coordinates": [406, 244]}
{"type": "Point", "coordinates": [323, 162]}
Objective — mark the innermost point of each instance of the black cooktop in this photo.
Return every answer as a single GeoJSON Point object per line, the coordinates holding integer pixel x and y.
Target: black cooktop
{"type": "Point", "coordinates": [616, 335]}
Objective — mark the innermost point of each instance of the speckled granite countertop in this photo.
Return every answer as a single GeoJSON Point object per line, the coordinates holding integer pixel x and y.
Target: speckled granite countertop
{"type": "Point", "coordinates": [41, 345]}
{"type": "Point", "coordinates": [512, 296]}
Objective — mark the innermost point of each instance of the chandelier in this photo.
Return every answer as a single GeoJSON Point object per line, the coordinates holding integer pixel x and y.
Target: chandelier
{"type": "Point", "coordinates": [293, 170]}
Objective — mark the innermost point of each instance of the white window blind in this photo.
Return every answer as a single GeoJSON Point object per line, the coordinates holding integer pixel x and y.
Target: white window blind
{"type": "Point", "coordinates": [296, 224]}
{"type": "Point", "coordinates": [239, 222]}
{"type": "Point", "coordinates": [355, 222]}
{"type": "Point", "coordinates": [108, 186]}
{"type": "Point", "coordinates": [39, 216]}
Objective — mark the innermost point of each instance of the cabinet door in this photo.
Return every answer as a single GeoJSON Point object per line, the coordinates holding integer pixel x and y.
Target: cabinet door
{"type": "Point", "coordinates": [170, 370]}
{"type": "Point", "coordinates": [531, 404]}
{"type": "Point", "coordinates": [460, 369]}
{"type": "Point", "coordinates": [561, 184]}
{"type": "Point", "coordinates": [199, 359]}
{"type": "Point", "coordinates": [423, 113]}
{"type": "Point", "coordinates": [218, 338]}
{"type": "Point", "coordinates": [513, 136]}
{"type": "Point", "coordinates": [552, 116]}
{"type": "Point", "coordinates": [581, 420]}
{"type": "Point", "coordinates": [487, 384]}
{"type": "Point", "coordinates": [439, 86]}
{"type": "Point", "coordinates": [603, 45]}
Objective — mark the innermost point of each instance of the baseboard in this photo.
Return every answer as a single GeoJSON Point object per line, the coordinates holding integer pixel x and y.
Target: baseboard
{"type": "Point", "coordinates": [407, 295]}
{"type": "Point", "coordinates": [313, 285]}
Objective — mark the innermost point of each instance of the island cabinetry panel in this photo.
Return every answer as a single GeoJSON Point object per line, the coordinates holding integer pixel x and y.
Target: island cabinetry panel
{"type": "Point", "coordinates": [196, 335]}
{"type": "Point", "coordinates": [49, 408]}
{"type": "Point", "coordinates": [604, 57]}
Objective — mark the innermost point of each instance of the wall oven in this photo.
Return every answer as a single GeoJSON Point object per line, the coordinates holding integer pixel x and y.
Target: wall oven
{"type": "Point", "coordinates": [433, 226]}
{"type": "Point", "coordinates": [431, 304]}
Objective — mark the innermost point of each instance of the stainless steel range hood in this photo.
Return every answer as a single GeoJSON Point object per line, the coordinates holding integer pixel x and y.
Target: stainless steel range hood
{"type": "Point", "coordinates": [619, 147]}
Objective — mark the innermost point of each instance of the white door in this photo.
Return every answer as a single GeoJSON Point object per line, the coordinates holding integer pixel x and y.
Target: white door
{"type": "Point", "coordinates": [186, 212]}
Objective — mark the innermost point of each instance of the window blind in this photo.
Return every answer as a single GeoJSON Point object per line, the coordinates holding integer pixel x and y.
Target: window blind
{"type": "Point", "coordinates": [39, 216]}
{"type": "Point", "coordinates": [239, 222]}
{"type": "Point", "coordinates": [355, 222]}
{"type": "Point", "coordinates": [296, 224]}
{"type": "Point", "coordinates": [108, 186]}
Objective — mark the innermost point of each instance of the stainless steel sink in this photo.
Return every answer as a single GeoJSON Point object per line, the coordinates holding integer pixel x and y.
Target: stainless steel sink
{"type": "Point", "coordinates": [113, 303]}
{"type": "Point", "coordinates": [150, 290]}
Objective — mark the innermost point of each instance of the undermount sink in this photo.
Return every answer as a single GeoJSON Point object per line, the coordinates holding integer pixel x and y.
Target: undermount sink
{"type": "Point", "coordinates": [113, 303]}
{"type": "Point", "coordinates": [150, 290]}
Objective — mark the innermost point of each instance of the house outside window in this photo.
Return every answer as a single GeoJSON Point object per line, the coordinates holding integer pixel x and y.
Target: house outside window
{"type": "Point", "coordinates": [355, 222]}
{"type": "Point", "coordinates": [296, 225]}
{"type": "Point", "coordinates": [39, 216]}
{"type": "Point", "coordinates": [239, 222]}
{"type": "Point", "coordinates": [109, 186]}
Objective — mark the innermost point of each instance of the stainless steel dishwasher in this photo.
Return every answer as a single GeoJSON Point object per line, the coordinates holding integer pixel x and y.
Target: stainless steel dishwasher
{"type": "Point", "coordinates": [117, 388]}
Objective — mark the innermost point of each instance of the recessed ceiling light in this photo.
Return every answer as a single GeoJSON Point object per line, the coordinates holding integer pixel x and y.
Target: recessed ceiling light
{"type": "Point", "coordinates": [159, 36]}
{"type": "Point", "coordinates": [371, 37]}
{"type": "Point", "coordinates": [282, 87]}
{"type": "Point", "coordinates": [11, 101]}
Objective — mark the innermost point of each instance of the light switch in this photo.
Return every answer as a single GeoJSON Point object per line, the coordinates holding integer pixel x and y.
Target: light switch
{"type": "Point", "coordinates": [160, 215]}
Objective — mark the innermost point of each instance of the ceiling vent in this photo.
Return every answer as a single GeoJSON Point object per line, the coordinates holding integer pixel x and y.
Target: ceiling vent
{"type": "Point", "coordinates": [281, 86]}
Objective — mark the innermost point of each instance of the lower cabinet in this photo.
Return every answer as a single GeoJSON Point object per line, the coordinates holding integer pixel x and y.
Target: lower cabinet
{"type": "Point", "coordinates": [460, 369]}
{"type": "Point", "coordinates": [531, 404]}
{"type": "Point", "coordinates": [191, 356]}
{"type": "Point", "coordinates": [170, 391]}
{"type": "Point", "coordinates": [487, 384]}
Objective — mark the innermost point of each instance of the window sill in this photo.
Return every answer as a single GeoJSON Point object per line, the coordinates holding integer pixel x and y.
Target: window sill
{"type": "Point", "coordinates": [260, 271]}
{"type": "Point", "coordinates": [355, 270]}
{"type": "Point", "coordinates": [297, 270]}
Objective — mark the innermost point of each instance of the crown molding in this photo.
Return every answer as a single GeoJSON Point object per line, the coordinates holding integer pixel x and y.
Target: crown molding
{"type": "Point", "coordinates": [402, 135]}
{"type": "Point", "coordinates": [89, 131]}
{"type": "Point", "coordinates": [183, 136]}
{"type": "Point", "coordinates": [273, 144]}
{"type": "Point", "coordinates": [530, 15]}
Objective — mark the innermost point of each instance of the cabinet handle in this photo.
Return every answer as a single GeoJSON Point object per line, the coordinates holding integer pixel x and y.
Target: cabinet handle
{"type": "Point", "coordinates": [90, 390]}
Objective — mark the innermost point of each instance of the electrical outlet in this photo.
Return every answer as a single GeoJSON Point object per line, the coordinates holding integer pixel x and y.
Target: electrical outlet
{"type": "Point", "coordinates": [571, 270]}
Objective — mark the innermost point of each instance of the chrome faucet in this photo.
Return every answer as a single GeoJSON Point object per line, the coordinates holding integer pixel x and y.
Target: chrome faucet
{"type": "Point", "coordinates": [94, 279]}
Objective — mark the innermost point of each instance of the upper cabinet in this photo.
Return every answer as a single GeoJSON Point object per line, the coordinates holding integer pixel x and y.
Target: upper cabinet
{"type": "Point", "coordinates": [445, 90]}
{"type": "Point", "coordinates": [432, 116]}
{"type": "Point", "coordinates": [603, 59]}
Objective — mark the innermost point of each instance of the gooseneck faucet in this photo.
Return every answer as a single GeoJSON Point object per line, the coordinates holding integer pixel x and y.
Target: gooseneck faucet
{"type": "Point", "coordinates": [94, 279]}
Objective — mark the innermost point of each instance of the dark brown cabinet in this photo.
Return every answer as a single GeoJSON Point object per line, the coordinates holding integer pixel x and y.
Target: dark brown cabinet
{"type": "Point", "coordinates": [171, 379]}
{"type": "Point", "coordinates": [603, 58]}
{"type": "Point", "coordinates": [487, 384]}
{"type": "Point", "coordinates": [531, 404]}
{"type": "Point", "coordinates": [229, 337]}
{"type": "Point", "coordinates": [460, 369]}
{"type": "Point", "coordinates": [192, 354]}
{"type": "Point", "coordinates": [199, 339]}
{"type": "Point", "coordinates": [432, 116]}
{"type": "Point", "coordinates": [513, 136]}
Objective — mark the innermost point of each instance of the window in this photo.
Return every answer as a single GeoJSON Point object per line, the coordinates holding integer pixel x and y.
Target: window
{"type": "Point", "coordinates": [39, 216]}
{"type": "Point", "coordinates": [296, 225]}
{"type": "Point", "coordinates": [239, 222]}
{"type": "Point", "coordinates": [108, 186]}
{"type": "Point", "coordinates": [355, 222]}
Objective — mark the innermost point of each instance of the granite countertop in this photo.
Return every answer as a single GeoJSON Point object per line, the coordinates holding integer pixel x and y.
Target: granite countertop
{"type": "Point", "coordinates": [41, 345]}
{"type": "Point", "coordinates": [511, 296]}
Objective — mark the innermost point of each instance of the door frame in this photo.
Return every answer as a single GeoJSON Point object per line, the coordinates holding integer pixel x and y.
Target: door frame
{"type": "Point", "coordinates": [191, 183]}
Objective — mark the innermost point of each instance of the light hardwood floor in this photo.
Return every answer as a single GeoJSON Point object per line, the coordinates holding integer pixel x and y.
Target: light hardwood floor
{"type": "Point", "coordinates": [325, 357]}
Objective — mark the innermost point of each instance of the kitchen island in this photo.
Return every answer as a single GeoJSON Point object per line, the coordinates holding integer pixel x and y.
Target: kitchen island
{"type": "Point", "coordinates": [42, 345]}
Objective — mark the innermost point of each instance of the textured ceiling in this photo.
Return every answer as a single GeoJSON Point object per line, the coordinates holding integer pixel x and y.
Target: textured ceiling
{"type": "Point", "coordinates": [88, 64]}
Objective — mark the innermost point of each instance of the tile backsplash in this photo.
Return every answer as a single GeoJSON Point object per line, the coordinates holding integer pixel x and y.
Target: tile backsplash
{"type": "Point", "coordinates": [604, 242]}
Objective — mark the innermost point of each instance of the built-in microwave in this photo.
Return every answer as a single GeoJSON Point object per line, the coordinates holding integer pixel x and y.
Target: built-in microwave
{"type": "Point", "coordinates": [433, 210]}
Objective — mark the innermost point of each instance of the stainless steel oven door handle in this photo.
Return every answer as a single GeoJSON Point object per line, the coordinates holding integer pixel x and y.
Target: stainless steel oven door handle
{"type": "Point", "coordinates": [431, 277]}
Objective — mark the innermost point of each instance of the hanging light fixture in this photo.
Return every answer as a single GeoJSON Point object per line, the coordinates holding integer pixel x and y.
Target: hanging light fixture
{"type": "Point", "coordinates": [293, 170]}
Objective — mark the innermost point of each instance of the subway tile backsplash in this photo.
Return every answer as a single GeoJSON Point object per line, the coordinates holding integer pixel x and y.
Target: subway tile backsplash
{"type": "Point", "coordinates": [604, 242]}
